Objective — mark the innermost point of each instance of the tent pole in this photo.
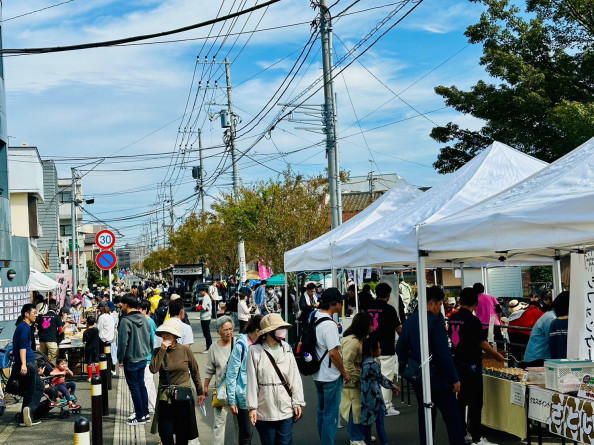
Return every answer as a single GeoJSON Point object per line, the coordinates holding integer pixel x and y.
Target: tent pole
{"type": "Point", "coordinates": [557, 285]}
{"type": "Point", "coordinates": [356, 290]}
{"type": "Point", "coordinates": [286, 298]}
{"type": "Point", "coordinates": [334, 278]}
{"type": "Point", "coordinates": [462, 273]}
{"type": "Point", "coordinates": [426, 378]}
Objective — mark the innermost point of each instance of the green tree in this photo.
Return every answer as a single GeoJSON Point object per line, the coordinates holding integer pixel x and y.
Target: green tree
{"type": "Point", "coordinates": [544, 106]}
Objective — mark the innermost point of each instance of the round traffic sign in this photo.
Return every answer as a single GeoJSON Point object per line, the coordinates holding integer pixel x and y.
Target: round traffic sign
{"type": "Point", "coordinates": [105, 239]}
{"type": "Point", "coordinates": [106, 259]}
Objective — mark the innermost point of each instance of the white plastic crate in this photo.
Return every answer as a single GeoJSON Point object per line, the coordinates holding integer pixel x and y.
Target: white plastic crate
{"type": "Point", "coordinates": [556, 369]}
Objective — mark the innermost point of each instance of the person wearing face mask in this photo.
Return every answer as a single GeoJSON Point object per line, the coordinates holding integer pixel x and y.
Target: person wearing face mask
{"type": "Point", "coordinates": [236, 378]}
{"type": "Point", "coordinates": [274, 394]}
{"type": "Point", "coordinates": [271, 300]}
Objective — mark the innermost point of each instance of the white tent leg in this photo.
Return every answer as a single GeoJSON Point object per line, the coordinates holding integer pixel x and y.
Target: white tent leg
{"type": "Point", "coordinates": [286, 298]}
{"type": "Point", "coordinates": [557, 286]}
{"type": "Point", "coordinates": [356, 291]}
{"type": "Point", "coordinates": [334, 278]}
{"type": "Point", "coordinates": [425, 372]}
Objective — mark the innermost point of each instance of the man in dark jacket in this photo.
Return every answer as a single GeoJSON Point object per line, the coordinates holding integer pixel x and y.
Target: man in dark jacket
{"type": "Point", "coordinates": [134, 345]}
{"type": "Point", "coordinates": [444, 378]}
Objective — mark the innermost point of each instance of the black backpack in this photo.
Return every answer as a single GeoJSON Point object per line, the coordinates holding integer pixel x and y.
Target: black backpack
{"type": "Point", "coordinates": [306, 344]}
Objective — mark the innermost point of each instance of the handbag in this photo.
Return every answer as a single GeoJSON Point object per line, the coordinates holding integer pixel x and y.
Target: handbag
{"type": "Point", "coordinates": [177, 393]}
{"type": "Point", "coordinates": [219, 395]}
{"type": "Point", "coordinates": [412, 371]}
{"type": "Point", "coordinates": [283, 382]}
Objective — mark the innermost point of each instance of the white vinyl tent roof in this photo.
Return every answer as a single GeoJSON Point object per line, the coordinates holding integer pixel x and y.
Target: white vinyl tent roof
{"type": "Point", "coordinates": [316, 254]}
{"type": "Point", "coordinates": [40, 282]}
{"type": "Point", "coordinates": [392, 239]}
{"type": "Point", "coordinates": [553, 208]}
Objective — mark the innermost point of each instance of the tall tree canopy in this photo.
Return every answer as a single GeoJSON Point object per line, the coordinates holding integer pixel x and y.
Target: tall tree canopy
{"type": "Point", "coordinates": [544, 55]}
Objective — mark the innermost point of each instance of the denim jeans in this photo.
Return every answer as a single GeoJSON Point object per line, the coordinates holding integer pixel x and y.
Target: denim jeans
{"type": "Point", "coordinates": [356, 431]}
{"type": "Point", "coordinates": [134, 373]}
{"type": "Point", "coordinates": [31, 385]}
{"type": "Point", "coordinates": [328, 408]}
{"type": "Point", "coordinates": [279, 432]}
{"type": "Point", "coordinates": [66, 389]}
{"type": "Point", "coordinates": [379, 426]}
{"type": "Point", "coordinates": [445, 401]}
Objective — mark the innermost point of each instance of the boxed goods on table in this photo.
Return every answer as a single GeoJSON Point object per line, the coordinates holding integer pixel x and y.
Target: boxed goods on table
{"type": "Point", "coordinates": [513, 374]}
{"type": "Point", "coordinates": [566, 375]}
{"type": "Point", "coordinates": [536, 376]}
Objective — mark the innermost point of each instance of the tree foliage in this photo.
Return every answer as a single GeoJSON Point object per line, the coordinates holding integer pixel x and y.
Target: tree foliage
{"type": "Point", "coordinates": [270, 216]}
{"type": "Point", "coordinates": [544, 106]}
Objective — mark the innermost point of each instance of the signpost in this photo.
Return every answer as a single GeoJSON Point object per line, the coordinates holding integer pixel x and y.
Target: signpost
{"type": "Point", "coordinates": [106, 259]}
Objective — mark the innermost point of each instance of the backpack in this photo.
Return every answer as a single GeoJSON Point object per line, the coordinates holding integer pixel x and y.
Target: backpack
{"type": "Point", "coordinates": [306, 344]}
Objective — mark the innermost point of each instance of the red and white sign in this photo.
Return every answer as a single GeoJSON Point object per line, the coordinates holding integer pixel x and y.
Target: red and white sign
{"type": "Point", "coordinates": [105, 239]}
{"type": "Point", "coordinates": [106, 260]}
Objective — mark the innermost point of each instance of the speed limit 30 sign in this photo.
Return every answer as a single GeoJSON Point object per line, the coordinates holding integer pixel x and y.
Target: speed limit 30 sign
{"type": "Point", "coordinates": [105, 239]}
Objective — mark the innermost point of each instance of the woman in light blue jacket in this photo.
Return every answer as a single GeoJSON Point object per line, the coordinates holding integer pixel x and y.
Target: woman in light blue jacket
{"type": "Point", "coordinates": [236, 379]}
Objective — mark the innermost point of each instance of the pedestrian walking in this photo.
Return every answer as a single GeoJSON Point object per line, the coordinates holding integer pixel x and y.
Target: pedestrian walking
{"type": "Point", "coordinates": [91, 342]}
{"type": "Point", "coordinates": [373, 383]}
{"type": "Point", "coordinates": [260, 298]}
{"type": "Point", "coordinates": [219, 355]}
{"type": "Point", "coordinates": [236, 379]}
{"type": "Point", "coordinates": [204, 307]}
{"type": "Point", "coordinates": [106, 327]}
{"type": "Point", "coordinates": [468, 344]}
{"type": "Point", "coordinates": [175, 414]}
{"type": "Point", "coordinates": [133, 347]}
{"type": "Point", "coordinates": [274, 394]}
{"type": "Point", "coordinates": [444, 378]}
{"type": "Point", "coordinates": [352, 357]}
{"type": "Point", "coordinates": [25, 367]}
{"type": "Point", "coordinates": [149, 382]}
{"type": "Point", "coordinates": [386, 324]}
{"type": "Point", "coordinates": [49, 326]}
{"type": "Point", "coordinates": [329, 378]}
{"type": "Point", "coordinates": [243, 312]}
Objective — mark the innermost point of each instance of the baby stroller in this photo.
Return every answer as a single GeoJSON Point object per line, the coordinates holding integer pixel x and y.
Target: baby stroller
{"type": "Point", "coordinates": [50, 393]}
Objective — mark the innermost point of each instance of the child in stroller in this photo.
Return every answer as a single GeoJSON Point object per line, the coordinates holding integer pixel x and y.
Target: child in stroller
{"type": "Point", "coordinates": [65, 389]}
{"type": "Point", "coordinates": [52, 391]}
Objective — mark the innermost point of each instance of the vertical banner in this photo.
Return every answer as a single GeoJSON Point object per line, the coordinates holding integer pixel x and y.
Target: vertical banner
{"type": "Point", "coordinates": [581, 307]}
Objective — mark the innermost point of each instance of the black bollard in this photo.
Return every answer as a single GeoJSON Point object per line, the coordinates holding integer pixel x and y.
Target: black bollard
{"type": "Point", "coordinates": [107, 352]}
{"type": "Point", "coordinates": [96, 411]}
{"type": "Point", "coordinates": [81, 432]}
{"type": "Point", "coordinates": [103, 372]}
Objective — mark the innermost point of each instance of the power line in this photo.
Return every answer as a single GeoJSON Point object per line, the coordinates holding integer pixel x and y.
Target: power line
{"type": "Point", "coordinates": [37, 10]}
{"type": "Point", "coordinates": [135, 38]}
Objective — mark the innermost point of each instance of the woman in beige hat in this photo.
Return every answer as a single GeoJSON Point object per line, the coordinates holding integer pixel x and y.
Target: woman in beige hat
{"type": "Point", "coordinates": [172, 360]}
{"type": "Point", "coordinates": [274, 401]}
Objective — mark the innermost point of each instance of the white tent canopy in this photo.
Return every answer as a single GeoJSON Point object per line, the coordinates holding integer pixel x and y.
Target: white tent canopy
{"type": "Point", "coordinates": [316, 255]}
{"type": "Point", "coordinates": [553, 208]}
{"type": "Point", "coordinates": [392, 239]}
{"type": "Point", "coordinates": [40, 282]}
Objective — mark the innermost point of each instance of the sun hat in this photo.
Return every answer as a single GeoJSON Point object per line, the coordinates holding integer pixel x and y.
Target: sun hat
{"type": "Point", "coordinates": [157, 291]}
{"type": "Point", "coordinates": [272, 322]}
{"type": "Point", "coordinates": [170, 326]}
{"type": "Point", "coordinates": [515, 305]}
{"type": "Point", "coordinates": [174, 297]}
{"type": "Point", "coordinates": [451, 301]}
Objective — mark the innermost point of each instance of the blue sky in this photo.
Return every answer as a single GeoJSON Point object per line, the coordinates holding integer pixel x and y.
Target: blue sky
{"type": "Point", "coordinates": [101, 101]}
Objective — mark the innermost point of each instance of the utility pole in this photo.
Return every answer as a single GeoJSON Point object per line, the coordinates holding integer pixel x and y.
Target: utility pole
{"type": "Point", "coordinates": [163, 227]}
{"type": "Point", "coordinates": [171, 214]}
{"type": "Point", "coordinates": [241, 247]}
{"type": "Point", "coordinates": [74, 261]}
{"type": "Point", "coordinates": [330, 116]}
{"type": "Point", "coordinates": [370, 177]}
{"type": "Point", "coordinates": [201, 173]}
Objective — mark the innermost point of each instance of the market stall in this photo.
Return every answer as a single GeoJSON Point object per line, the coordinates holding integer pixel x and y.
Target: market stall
{"type": "Point", "coordinates": [504, 407]}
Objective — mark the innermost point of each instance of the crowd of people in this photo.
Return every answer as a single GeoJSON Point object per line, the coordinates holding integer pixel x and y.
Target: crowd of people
{"type": "Point", "coordinates": [256, 378]}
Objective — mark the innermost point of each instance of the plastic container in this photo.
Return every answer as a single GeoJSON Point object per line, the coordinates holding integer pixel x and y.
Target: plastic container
{"type": "Point", "coordinates": [557, 369]}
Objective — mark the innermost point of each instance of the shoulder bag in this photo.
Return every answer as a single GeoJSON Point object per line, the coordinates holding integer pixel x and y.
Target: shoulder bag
{"type": "Point", "coordinates": [283, 381]}
{"type": "Point", "coordinates": [219, 395]}
{"type": "Point", "coordinates": [177, 393]}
